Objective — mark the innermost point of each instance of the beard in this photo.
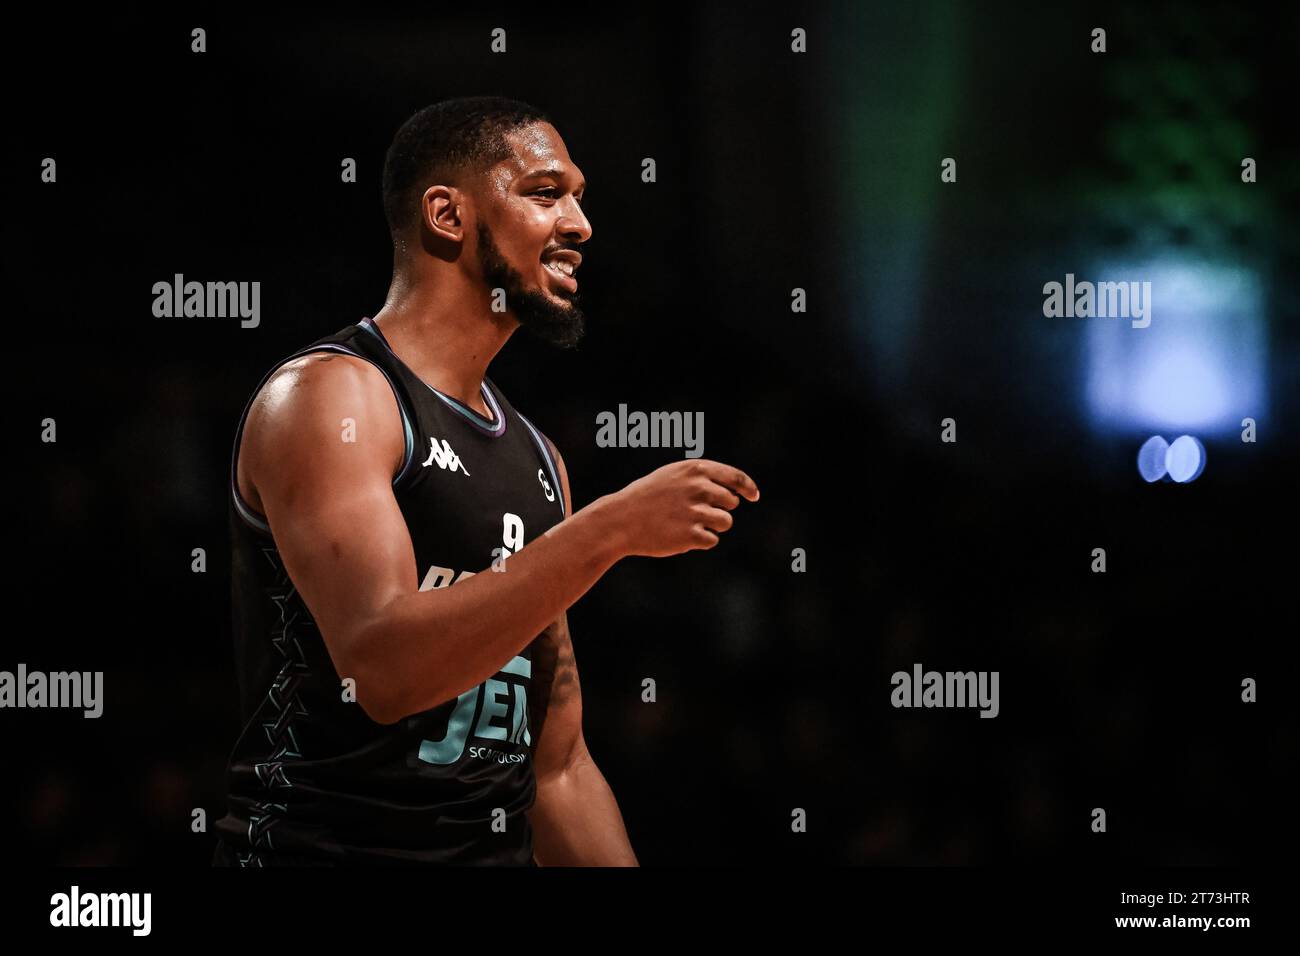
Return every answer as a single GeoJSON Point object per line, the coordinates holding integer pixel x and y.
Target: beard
{"type": "Point", "coordinates": [542, 316]}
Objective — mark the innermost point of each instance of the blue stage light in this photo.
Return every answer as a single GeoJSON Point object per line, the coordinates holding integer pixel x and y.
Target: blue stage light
{"type": "Point", "coordinates": [1185, 459]}
{"type": "Point", "coordinates": [1151, 458]}
{"type": "Point", "coordinates": [1200, 361]}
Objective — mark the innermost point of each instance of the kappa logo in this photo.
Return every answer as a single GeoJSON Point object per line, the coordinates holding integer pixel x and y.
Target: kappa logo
{"type": "Point", "coordinates": [546, 485]}
{"type": "Point", "coordinates": [444, 457]}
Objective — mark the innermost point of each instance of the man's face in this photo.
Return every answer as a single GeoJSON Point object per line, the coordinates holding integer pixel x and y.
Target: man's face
{"type": "Point", "coordinates": [530, 225]}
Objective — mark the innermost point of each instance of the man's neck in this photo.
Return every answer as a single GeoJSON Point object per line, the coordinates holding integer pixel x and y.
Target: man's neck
{"type": "Point", "coordinates": [447, 340]}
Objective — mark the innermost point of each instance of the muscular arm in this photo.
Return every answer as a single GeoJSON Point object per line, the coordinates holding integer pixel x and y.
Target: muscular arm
{"type": "Point", "coordinates": [323, 441]}
{"type": "Point", "coordinates": [575, 819]}
{"type": "Point", "coordinates": [330, 504]}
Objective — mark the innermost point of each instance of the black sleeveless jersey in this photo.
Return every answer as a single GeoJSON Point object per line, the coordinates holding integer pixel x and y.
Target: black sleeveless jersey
{"type": "Point", "coordinates": [311, 778]}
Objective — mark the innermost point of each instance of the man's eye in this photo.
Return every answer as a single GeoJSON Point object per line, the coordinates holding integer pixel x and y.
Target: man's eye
{"type": "Point", "coordinates": [549, 191]}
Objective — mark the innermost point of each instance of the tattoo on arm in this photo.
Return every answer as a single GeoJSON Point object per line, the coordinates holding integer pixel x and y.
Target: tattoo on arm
{"type": "Point", "coordinates": [555, 674]}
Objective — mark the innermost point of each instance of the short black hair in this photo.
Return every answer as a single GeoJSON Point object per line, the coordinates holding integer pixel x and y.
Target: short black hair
{"type": "Point", "coordinates": [440, 142]}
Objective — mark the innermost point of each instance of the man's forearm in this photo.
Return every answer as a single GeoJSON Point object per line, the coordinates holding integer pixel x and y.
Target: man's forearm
{"type": "Point", "coordinates": [576, 820]}
{"type": "Point", "coordinates": [451, 639]}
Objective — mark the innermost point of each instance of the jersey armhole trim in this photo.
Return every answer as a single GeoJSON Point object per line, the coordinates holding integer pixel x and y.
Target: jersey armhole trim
{"type": "Point", "coordinates": [543, 444]}
{"type": "Point", "coordinates": [247, 512]}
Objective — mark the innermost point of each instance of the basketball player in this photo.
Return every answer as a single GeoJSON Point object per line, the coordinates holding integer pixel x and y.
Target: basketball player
{"type": "Point", "coordinates": [405, 545]}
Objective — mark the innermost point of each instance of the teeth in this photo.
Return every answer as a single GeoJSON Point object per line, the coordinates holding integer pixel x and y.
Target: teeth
{"type": "Point", "coordinates": [560, 266]}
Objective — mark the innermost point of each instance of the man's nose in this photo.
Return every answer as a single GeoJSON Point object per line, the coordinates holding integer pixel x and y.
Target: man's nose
{"type": "Point", "coordinates": [573, 225]}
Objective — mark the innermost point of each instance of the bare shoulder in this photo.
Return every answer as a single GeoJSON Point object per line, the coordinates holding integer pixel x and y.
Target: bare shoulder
{"type": "Point", "coordinates": [310, 406]}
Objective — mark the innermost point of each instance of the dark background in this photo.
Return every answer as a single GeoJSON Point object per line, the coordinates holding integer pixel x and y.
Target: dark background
{"type": "Point", "coordinates": [775, 170]}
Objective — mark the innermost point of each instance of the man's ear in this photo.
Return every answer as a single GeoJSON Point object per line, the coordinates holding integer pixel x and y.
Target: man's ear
{"type": "Point", "coordinates": [440, 208]}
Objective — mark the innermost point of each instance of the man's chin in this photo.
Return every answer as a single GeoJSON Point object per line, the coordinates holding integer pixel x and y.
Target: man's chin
{"type": "Point", "coordinates": [556, 321]}
{"type": "Point", "coordinates": [561, 336]}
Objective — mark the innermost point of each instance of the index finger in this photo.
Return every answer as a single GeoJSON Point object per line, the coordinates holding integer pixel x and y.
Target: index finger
{"type": "Point", "coordinates": [731, 478]}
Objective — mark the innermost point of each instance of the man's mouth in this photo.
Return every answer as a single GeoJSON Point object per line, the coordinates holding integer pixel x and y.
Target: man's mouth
{"type": "Point", "coordinates": [561, 267]}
